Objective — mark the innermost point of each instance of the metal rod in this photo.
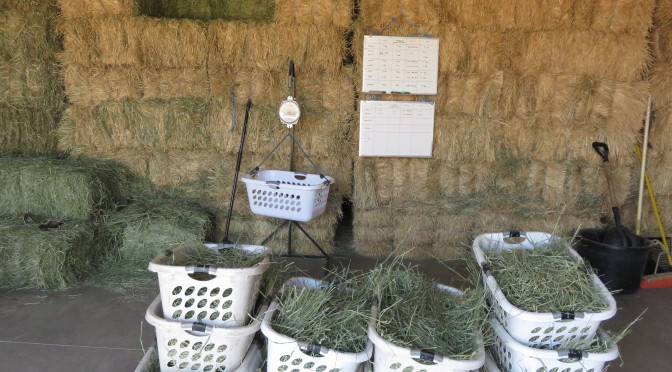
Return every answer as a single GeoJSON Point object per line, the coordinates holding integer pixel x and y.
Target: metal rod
{"type": "Point", "coordinates": [235, 177]}
{"type": "Point", "coordinates": [311, 239]}
{"type": "Point", "coordinates": [274, 232]}
{"type": "Point", "coordinates": [642, 173]}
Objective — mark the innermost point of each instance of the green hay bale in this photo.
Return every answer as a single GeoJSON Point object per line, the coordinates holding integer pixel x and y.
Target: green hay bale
{"type": "Point", "coordinates": [27, 130]}
{"type": "Point", "coordinates": [53, 260]}
{"type": "Point", "coordinates": [153, 222]}
{"type": "Point", "coordinates": [230, 10]}
{"type": "Point", "coordinates": [61, 188]}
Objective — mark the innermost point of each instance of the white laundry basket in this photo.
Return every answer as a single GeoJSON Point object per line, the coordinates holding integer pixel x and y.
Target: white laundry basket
{"type": "Point", "coordinates": [294, 196]}
{"type": "Point", "coordinates": [214, 296]}
{"type": "Point", "coordinates": [197, 346]}
{"type": "Point", "coordinates": [516, 357]}
{"type": "Point", "coordinates": [389, 357]}
{"type": "Point", "coordinates": [288, 354]}
{"type": "Point", "coordinates": [530, 328]}
{"type": "Point", "coordinates": [251, 363]}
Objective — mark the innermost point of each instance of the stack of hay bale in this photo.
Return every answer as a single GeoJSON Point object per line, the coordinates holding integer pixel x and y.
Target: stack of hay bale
{"type": "Point", "coordinates": [524, 89]}
{"type": "Point", "coordinates": [31, 97]}
{"type": "Point", "coordinates": [159, 94]}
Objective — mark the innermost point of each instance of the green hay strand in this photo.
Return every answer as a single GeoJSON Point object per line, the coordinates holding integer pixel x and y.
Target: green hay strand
{"type": "Point", "coordinates": [226, 257]}
{"type": "Point", "coordinates": [546, 279]}
{"type": "Point", "coordinates": [53, 260]}
{"type": "Point", "coordinates": [229, 10]}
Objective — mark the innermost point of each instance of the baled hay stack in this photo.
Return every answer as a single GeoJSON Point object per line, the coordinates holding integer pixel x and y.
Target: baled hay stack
{"type": "Point", "coordinates": [181, 166]}
{"type": "Point", "coordinates": [96, 8]}
{"type": "Point", "coordinates": [134, 159]}
{"type": "Point", "coordinates": [270, 46]}
{"type": "Point", "coordinates": [103, 41]}
{"type": "Point", "coordinates": [477, 95]}
{"type": "Point", "coordinates": [175, 83]}
{"type": "Point", "coordinates": [658, 157]}
{"type": "Point", "coordinates": [383, 182]}
{"type": "Point", "coordinates": [661, 85]}
{"type": "Point", "coordinates": [150, 224]}
{"type": "Point", "coordinates": [621, 57]}
{"type": "Point", "coordinates": [269, 88]}
{"type": "Point", "coordinates": [61, 188]}
{"type": "Point", "coordinates": [89, 86]}
{"type": "Point", "coordinates": [633, 16]}
{"type": "Point", "coordinates": [171, 43]}
{"type": "Point", "coordinates": [250, 11]}
{"type": "Point", "coordinates": [53, 260]}
{"type": "Point", "coordinates": [27, 131]}
{"type": "Point", "coordinates": [453, 234]}
{"type": "Point", "coordinates": [484, 14]}
{"type": "Point", "coordinates": [376, 15]}
{"type": "Point", "coordinates": [317, 12]}
{"type": "Point", "coordinates": [155, 124]}
{"type": "Point", "coordinates": [465, 180]}
{"type": "Point", "coordinates": [463, 138]}
{"type": "Point", "coordinates": [649, 225]}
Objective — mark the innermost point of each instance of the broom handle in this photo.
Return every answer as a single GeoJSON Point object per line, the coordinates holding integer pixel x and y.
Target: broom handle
{"type": "Point", "coordinates": [642, 174]}
{"type": "Point", "coordinates": [603, 150]}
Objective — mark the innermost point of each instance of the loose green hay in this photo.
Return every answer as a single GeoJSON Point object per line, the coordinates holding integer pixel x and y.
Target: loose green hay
{"type": "Point", "coordinates": [53, 260]}
{"type": "Point", "coordinates": [225, 257]}
{"type": "Point", "coordinates": [61, 188]}
{"type": "Point", "coordinates": [531, 279]}
{"type": "Point", "coordinates": [415, 313]}
{"type": "Point", "coordinates": [334, 316]}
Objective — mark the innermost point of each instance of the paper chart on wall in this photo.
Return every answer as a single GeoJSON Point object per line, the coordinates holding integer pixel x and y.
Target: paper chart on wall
{"type": "Point", "coordinates": [396, 128]}
{"type": "Point", "coordinates": [400, 65]}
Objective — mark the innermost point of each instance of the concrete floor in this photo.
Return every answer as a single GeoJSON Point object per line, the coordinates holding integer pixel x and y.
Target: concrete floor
{"type": "Point", "coordinates": [93, 329]}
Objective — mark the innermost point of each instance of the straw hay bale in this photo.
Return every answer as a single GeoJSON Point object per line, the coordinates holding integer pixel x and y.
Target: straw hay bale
{"type": "Point", "coordinates": [621, 57]}
{"type": "Point", "coordinates": [477, 95]}
{"type": "Point", "coordinates": [629, 16]}
{"type": "Point", "coordinates": [453, 233]}
{"type": "Point", "coordinates": [49, 260]}
{"type": "Point", "coordinates": [661, 82]}
{"type": "Point", "coordinates": [134, 159]}
{"type": "Point", "coordinates": [61, 188]}
{"type": "Point", "coordinates": [96, 8]}
{"type": "Point", "coordinates": [104, 41]}
{"type": "Point", "coordinates": [422, 12]}
{"type": "Point", "coordinates": [258, 46]}
{"type": "Point", "coordinates": [250, 10]}
{"type": "Point", "coordinates": [171, 43]}
{"type": "Point", "coordinates": [378, 14]}
{"type": "Point", "coordinates": [175, 83]}
{"type": "Point", "coordinates": [317, 12]}
{"type": "Point", "coordinates": [649, 224]}
{"type": "Point", "coordinates": [89, 86]}
{"type": "Point", "coordinates": [27, 130]}
{"type": "Point", "coordinates": [661, 42]}
{"type": "Point", "coordinates": [180, 166]}
{"type": "Point", "coordinates": [26, 83]}
{"type": "Point", "coordinates": [463, 138]}
{"type": "Point", "coordinates": [483, 14]}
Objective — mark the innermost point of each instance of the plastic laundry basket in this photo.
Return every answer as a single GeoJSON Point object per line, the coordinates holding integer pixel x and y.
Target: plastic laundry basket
{"type": "Point", "coordinates": [197, 346]}
{"type": "Point", "coordinates": [215, 296]}
{"type": "Point", "coordinates": [294, 196]}
{"type": "Point", "coordinates": [251, 362]}
{"type": "Point", "coordinates": [516, 357]}
{"type": "Point", "coordinates": [490, 365]}
{"type": "Point", "coordinates": [530, 328]}
{"type": "Point", "coordinates": [389, 357]}
{"type": "Point", "coordinates": [287, 354]}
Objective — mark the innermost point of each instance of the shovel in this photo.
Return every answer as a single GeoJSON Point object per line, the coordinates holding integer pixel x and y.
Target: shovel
{"type": "Point", "coordinates": [619, 236]}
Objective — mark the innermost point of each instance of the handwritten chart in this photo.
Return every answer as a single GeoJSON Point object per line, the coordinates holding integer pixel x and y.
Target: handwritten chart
{"type": "Point", "coordinates": [400, 65]}
{"type": "Point", "coordinates": [396, 128]}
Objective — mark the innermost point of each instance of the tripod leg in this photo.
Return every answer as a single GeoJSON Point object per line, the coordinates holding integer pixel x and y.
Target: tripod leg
{"type": "Point", "coordinates": [274, 232]}
{"type": "Point", "coordinates": [311, 239]}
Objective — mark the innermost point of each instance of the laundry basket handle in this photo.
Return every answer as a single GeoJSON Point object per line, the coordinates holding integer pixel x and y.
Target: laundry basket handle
{"type": "Point", "coordinates": [289, 135]}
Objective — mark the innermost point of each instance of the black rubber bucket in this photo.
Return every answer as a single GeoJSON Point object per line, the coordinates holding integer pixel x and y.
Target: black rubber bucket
{"type": "Point", "coordinates": [620, 269]}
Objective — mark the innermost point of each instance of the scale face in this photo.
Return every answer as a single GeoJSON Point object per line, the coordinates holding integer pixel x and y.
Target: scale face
{"type": "Point", "coordinates": [289, 112]}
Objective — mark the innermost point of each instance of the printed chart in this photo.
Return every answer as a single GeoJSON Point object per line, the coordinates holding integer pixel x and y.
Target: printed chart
{"type": "Point", "coordinates": [396, 128]}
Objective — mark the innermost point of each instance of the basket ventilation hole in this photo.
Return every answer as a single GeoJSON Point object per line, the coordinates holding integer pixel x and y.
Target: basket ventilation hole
{"type": "Point", "coordinates": [220, 369]}
{"type": "Point", "coordinates": [177, 302]}
{"type": "Point", "coordinates": [227, 304]}
{"type": "Point", "coordinates": [208, 368]}
{"type": "Point", "coordinates": [172, 352]}
{"type": "Point", "coordinates": [284, 358]}
{"type": "Point", "coordinates": [214, 292]}
{"type": "Point", "coordinates": [209, 347]}
{"type": "Point", "coordinates": [574, 329]}
{"type": "Point", "coordinates": [189, 302]}
{"type": "Point", "coordinates": [221, 359]}
{"type": "Point", "coordinates": [196, 357]}
{"type": "Point", "coordinates": [171, 363]}
{"type": "Point", "coordinates": [542, 369]}
{"type": "Point", "coordinates": [202, 303]}
{"type": "Point", "coordinates": [202, 315]}
{"type": "Point", "coordinates": [214, 304]}
{"type": "Point", "coordinates": [548, 330]}
{"type": "Point", "coordinates": [297, 361]}
{"type": "Point", "coordinates": [408, 369]}
{"type": "Point", "coordinates": [510, 366]}
{"type": "Point", "coordinates": [321, 368]}
{"type": "Point", "coordinates": [214, 315]}
{"type": "Point", "coordinates": [177, 290]}
{"type": "Point", "coordinates": [185, 344]}
{"type": "Point", "coordinates": [202, 291]}
{"type": "Point", "coordinates": [177, 314]}
{"type": "Point", "coordinates": [209, 357]}
{"type": "Point", "coordinates": [536, 330]}
{"type": "Point", "coordinates": [298, 209]}
{"type": "Point", "coordinates": [309, 365]}
{"type": "Point", "coordinates": [566, 370]}
{"type": "Point", "coordinates": [554, 369]}
{"type": "Point", "coordinates": [184, 365]}
{"type": "Point", "coordinates": [422, 370]}
{"type": "Point", "coordinates": [227, 292]}
{"type": "Point", "coordinates": [227, 316]}
{"type": "Point", "coordinates": [546, 339]}
{"type": "Point", "coordinates": [585, 330]}
{"type": "Point", "coordinates": [189, 314]}
{"type": "Point", "coordinates": [189, 291]}
{"type": "Point", "coordinates": [334, 370]}
{"type": "Point", "coordinates": [560, 330]}
{"type": "Point", "coordinates": [172, 342]}
{"type": "Point", "coordinates": [395, 366]}
{"type": "Point", "coordinates": [578, 370]}
{"type": "Point", "coordinates": [296, 370]}
{"type": "Point", "coordinates": [533, 339]}
{"type": "Point", "coordinates": [591, 370]}
{"type": "Point", "coordinates": [559, 338]}
{"type": "Point", "coordinates": [197, 346]}
{"type": "Point", "coordinates": [196, 366]}
{"type": "Point", "coordinates": [283, 368]}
